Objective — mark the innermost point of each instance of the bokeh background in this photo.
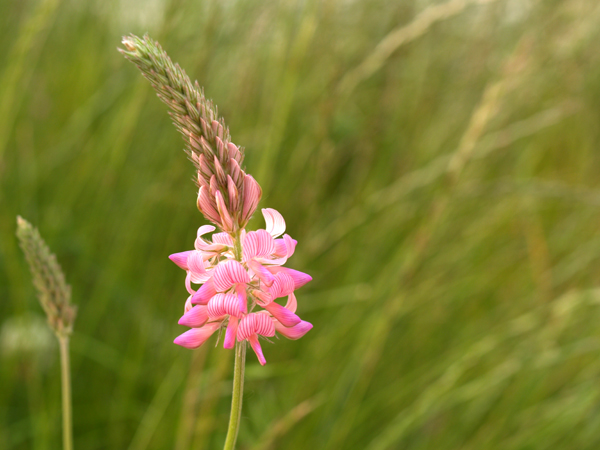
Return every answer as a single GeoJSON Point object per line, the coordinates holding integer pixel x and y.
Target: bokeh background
{"type": "Point", "coordinates": [437, 162]}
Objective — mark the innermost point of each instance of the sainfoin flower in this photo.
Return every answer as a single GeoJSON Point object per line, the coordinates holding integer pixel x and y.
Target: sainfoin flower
{"type": "Point", "coordinates": [242, 295]}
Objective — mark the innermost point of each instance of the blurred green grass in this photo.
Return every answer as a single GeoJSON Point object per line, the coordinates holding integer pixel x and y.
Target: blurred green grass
{"type": "Point", "coordinates": [441, 181]}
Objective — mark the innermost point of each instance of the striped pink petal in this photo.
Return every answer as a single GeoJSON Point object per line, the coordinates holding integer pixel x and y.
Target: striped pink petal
{"type": "Point", "coordinates": [295, 332]}
{"type": "Point", "coordinates": [195, 317]}
{"type": "Point", "coordinates": [188, 283]}
{"type": "Point", "coordinates": [251, 197]}
{"type": "Point", "coordinates": [204, 229]}
{"type": "Point", "coordinates": [222, 238]}
{"type": "Point", "coordinates": [282, 285]}
{"type": "Point", "coordinates": [257, 349]}
{"type": "Point", "coordinates": [228, 273]}
{"type": "Point", "coordinates": [255, 323]}
{"type": "Point", "coordinates": [261, 272]}
{"type": "Point", "coordinates": [291, 304]}
{"type": "Point", "coordinates": [205, 293]}
{"type": "Point", "coordinates": [230, 334]}
{"type": "Point", "coordinates": [258, 244]}
{"type": "Point", "coordinates": [283, 315]}
{"type": "Point", "coordinates": [207, 206]}
{"type": "Point", "coordinates": [188, 304]}
{"type": "Point", "coordinates": [232, 192]}
{"type": "Point", "coordinates": [199, 278]}
{"type": "Point", "coordinates": [275, 225]}
{"type": "Point", "coordinates": [222, 304]}
{"type": "Point", "coordinates": [300, 278]}
{"type": "Point", "coordinates": [240, 290]}
{"type": "Point", "coordinates": [195, 337]}
{"type": "Point", "coordinates": [180, 259]}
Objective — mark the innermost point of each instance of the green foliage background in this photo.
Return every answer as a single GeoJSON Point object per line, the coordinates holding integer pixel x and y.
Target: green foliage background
{"type": "Point", "coordinates": [442, 183]}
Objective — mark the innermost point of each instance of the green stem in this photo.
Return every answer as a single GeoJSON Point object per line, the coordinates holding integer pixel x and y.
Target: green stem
{"type": "Point", "coordinates": [66, 393]}
{"type": "Point", "coordinates": [238, 392]}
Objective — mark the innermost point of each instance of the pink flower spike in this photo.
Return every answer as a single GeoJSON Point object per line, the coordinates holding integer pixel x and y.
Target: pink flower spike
{"type": "Point", "coordinates": [300, 278]}
{"type": "Point", "coordinates": [195, 337]}
{"type": "Point", "coordinates": [283, 315]}
{"type": "Point", "coordinates": [195, 317]}
{"type": "Point", "coordinates": [180, 259]}
{"type": "Point", "coordinates": [275, 224]}
{"type": "Point", "coordinates": [258, 244]}
{"type": "Point", "coordinates": [295, 332]}
{"type": "Point", "coordinates": [230, 334]}
{"type": "Point", "coordinates": [205, 293]}
{"type": "Point", "coordinates": [240, 289]}
{"type": "Point", "coordinates": [252, 194]}
{"type": "Point", "coordinates": [257, 349]}
{"type": "Point", "coordinates": [228, 273]}
{"type": "Point", "coordinates": [261, 272]}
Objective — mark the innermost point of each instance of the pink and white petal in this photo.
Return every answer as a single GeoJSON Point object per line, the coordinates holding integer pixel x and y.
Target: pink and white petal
{"type": "Point", "coordinates": [261, 272]}
{"type": "Point", "coordinates": [230, 334]}
{"type": "Point", "coordinates": [275, 224]}
{"type": "Point", "coordinates": [290, 245]}
{"type": "Point", "coordinates": [222, 238]}
{"type": "Point", "coordinates": [263, 298]}
{"type": "Point", "coordinates": [201, 244]}
{"type": "Point", "coordinates": [195, 262]}
{"type": "Point", "coordinates": [188, 304]}
{"type": "Point", "coordinates": [282, 286]}
{"type": "Point", "coordinates": [195, 317]}
{"type": "Point", "coordinates": [199, 278]}
{"type": "Point", "coordinates": [205, 293]}
{"type": "Point", "coordinates": [207, 206]}
{"type": "Point", "coordinates": [195, 337]}
{"type": "Point", "coordinates": [257, 349]}
{"type": "Point", "coordinates": [292, 303]}
{"type": "Point", "coordinates": [181, 259]}
{"type": "Point", "coordinates": [228, 273]}
{"type": "Point", "coordinates": [188, 283]}
{"type": "Point", "coordinates": [300, 278]}
{"type": "Point", "coordinates": [255, 323]}
{"type": "Point", "coordinates": [222, 304]}
{"type": "Point", "coordinates": [295, 332]}
{"type": "Point", "coordinates": [272, 262]}
{"type": "Point", "coordinates": [204, 229]}
{"type": "Point", "coordinates": [251, 197]}
{"type": "Point", "coordinates": [283, 315]}
{"type": "Point", "coordinates": [258, 244]}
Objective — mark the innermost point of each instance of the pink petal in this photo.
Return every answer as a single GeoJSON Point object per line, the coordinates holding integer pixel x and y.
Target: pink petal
{"type": "Point", "coordinates": [261, 272]}
{"type": "Point", "coordinates": [232, 192]}
{"type": "Point", "coordinates": [258, 244]}
{"type": "Point", "coordinates": [199, 278]}
{"type": "Point", "coordinates": [207, 206]}
{"type": "Point", "coordinates": [240, 289]}
{"type": "Point", "coordinates": [204, 229]}
{"type": "Point", "coordinates": [205, 293]}
{"type": "Point", "coordinates": [275, 225]}
{"type": "Point", "coordinates": [295, 332]}
{"type": "Point", "coordinates": [282, 286]}
{"type": "Point", "coordinates": [222, 238]}
{"type": "Point", "coordinates": [195, 317]}
{"type": "Point", "coordinates": [180, 259]}
{"type": "Point", "coordinates": [222, 304]}
{"type": "Point", "coordinates": [188, 283]}
{"type": "Point", "coordinates": [228, 273]}
{"type": "Point", "coordinates": [262, 297]}
{"type": "Point", "coordinates": [300, 278]}
{"type": "Point", "coordinates": [231, 332]}
{"type": "Point", "coordinates": [226, 219]}
{"type": "Point", "coordinates": [255, 323]}
{"type": "Point", "coordinates": [283, 315]}
{"type": "Point", "coordinates": [252, 194]}
{"type": "Point", "coordinates": [290, 244]}
{"type": "Point", "coordinates": [257, 349]}
{"type": "Point", "coordinates": [196, 262]}
{"type": "Point", "coordinates": [188, 304]}
{"type": "Point", "coordinates": [291, 304]}
{"type": "Point", "coordinates": [195, 337]}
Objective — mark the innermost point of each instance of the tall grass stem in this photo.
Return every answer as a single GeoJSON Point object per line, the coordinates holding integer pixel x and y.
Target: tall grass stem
{"type": "Point", "coordinates": [65, 373]}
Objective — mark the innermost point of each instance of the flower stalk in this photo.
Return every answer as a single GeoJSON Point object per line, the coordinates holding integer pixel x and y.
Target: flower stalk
{"type": "Point", "coordinates": [54, 295]}
{"type": "Point", "coordinates": [236, 399]}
